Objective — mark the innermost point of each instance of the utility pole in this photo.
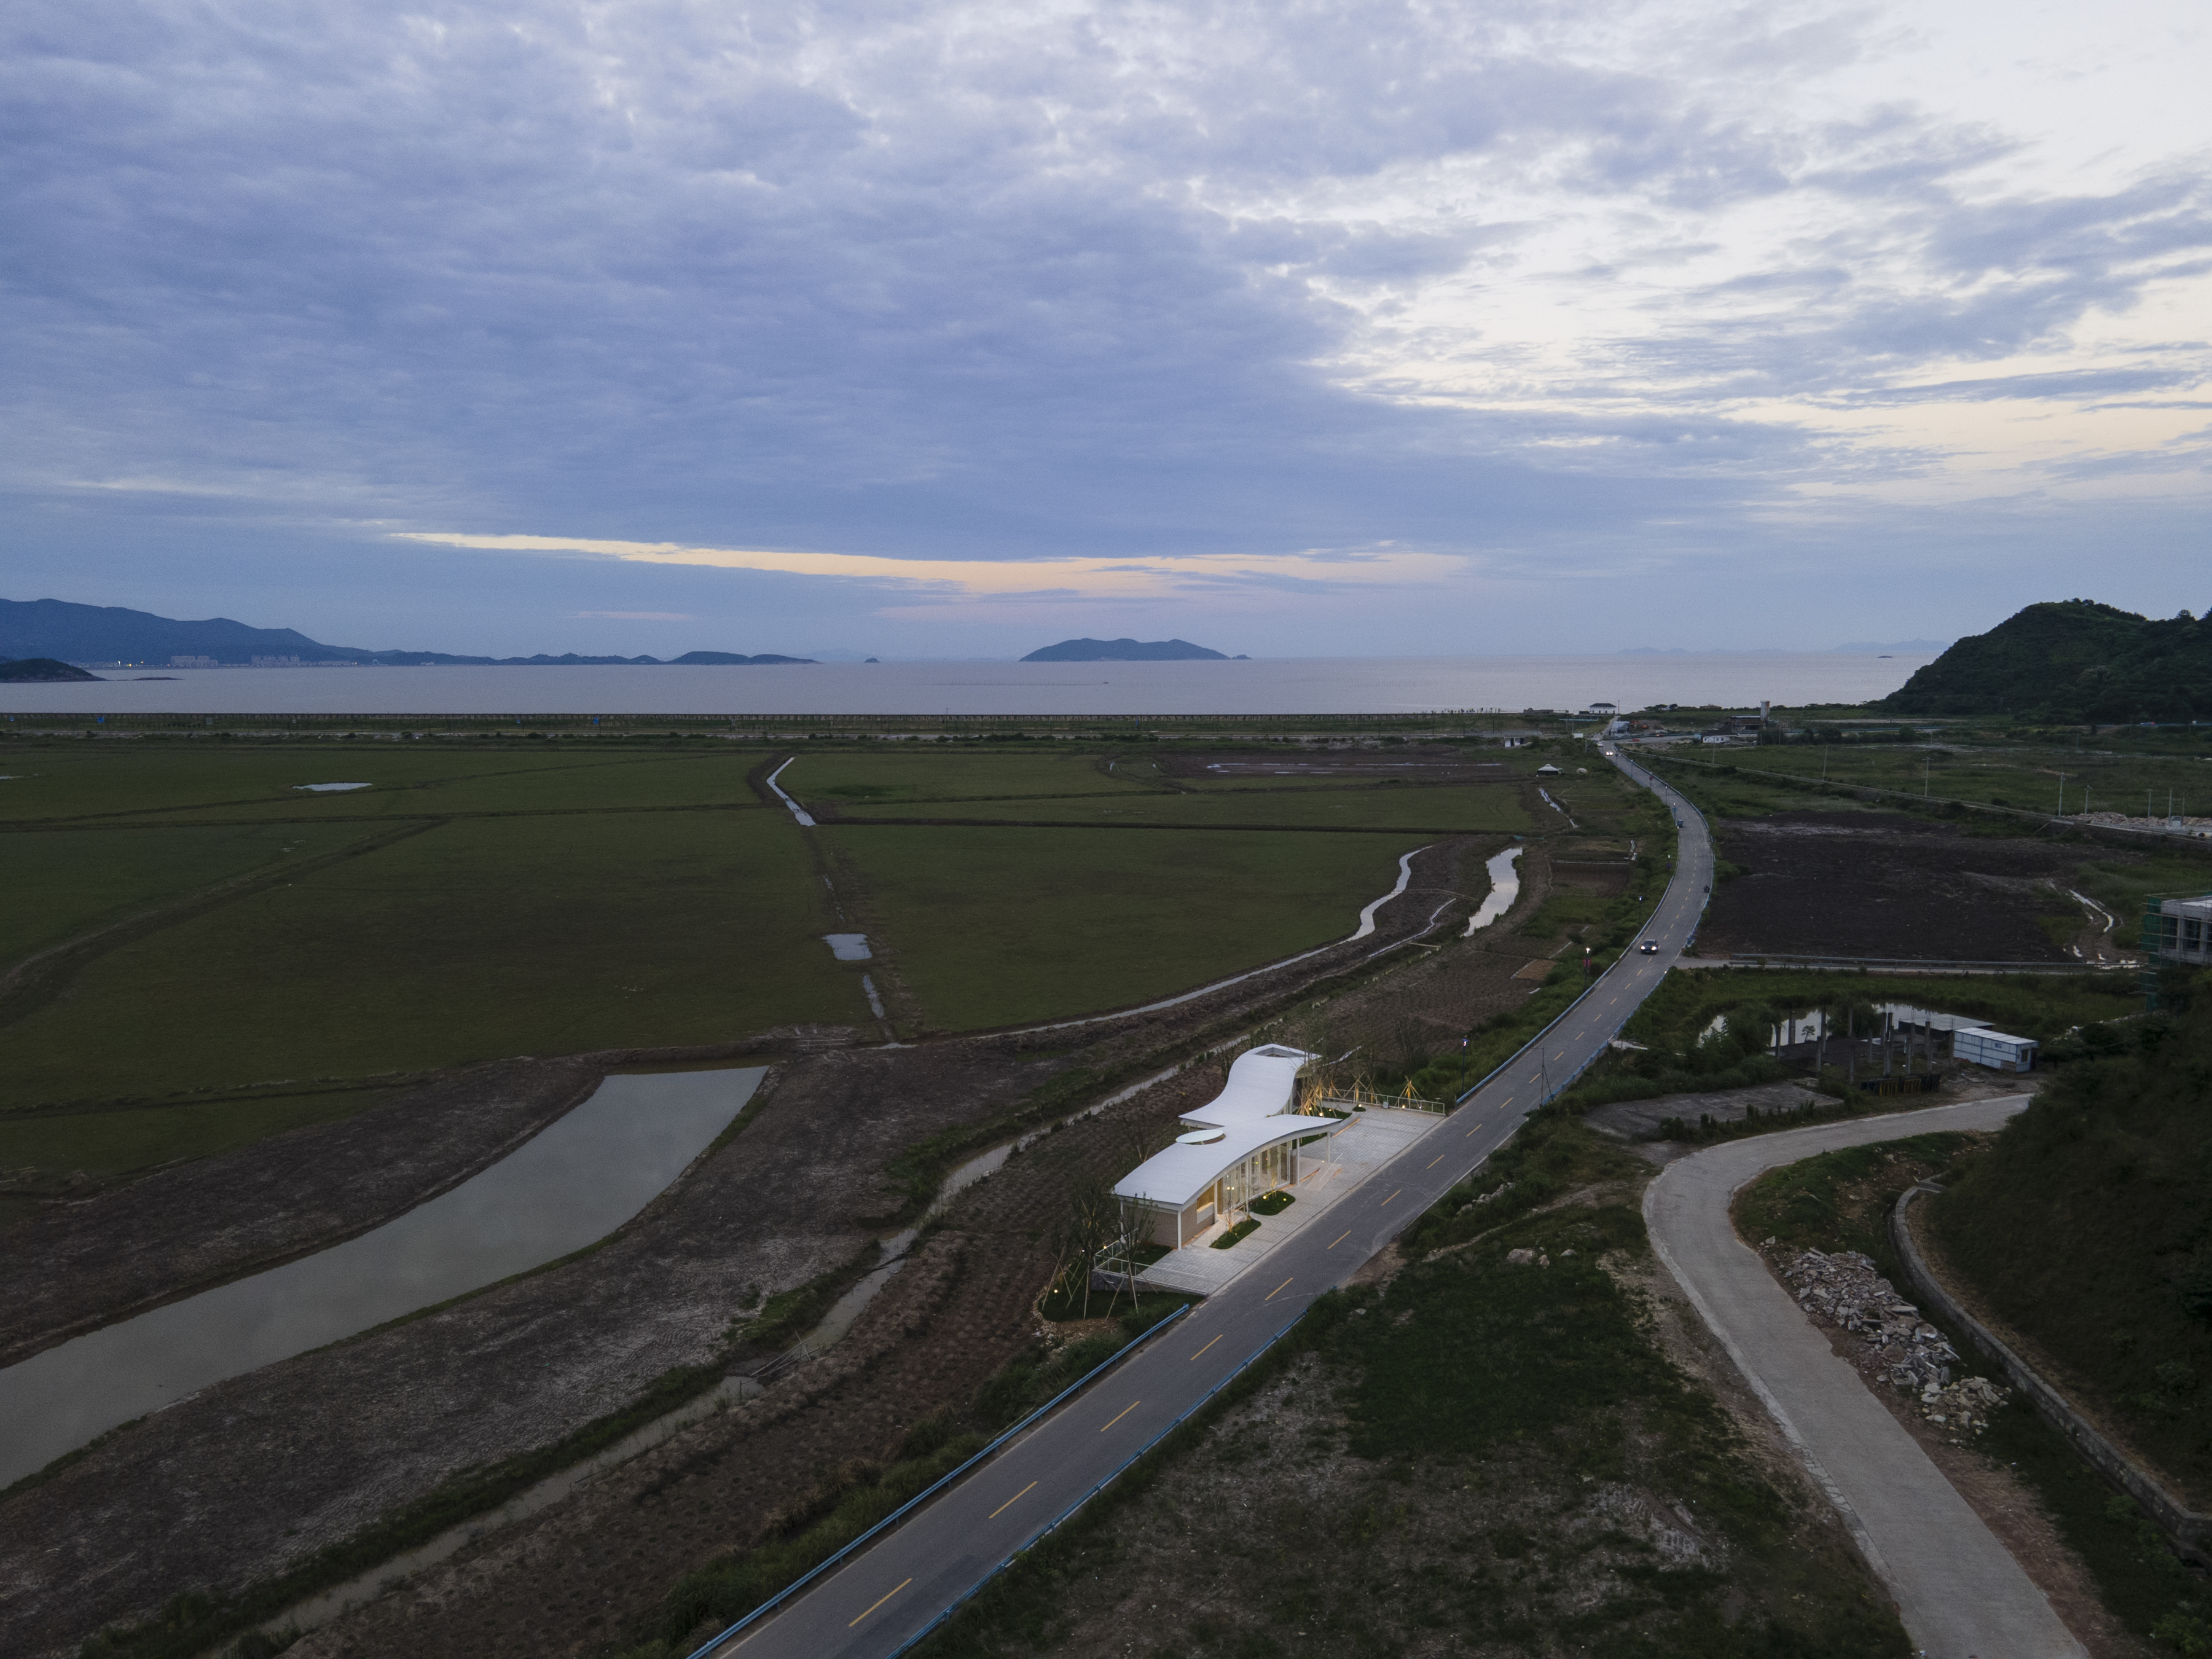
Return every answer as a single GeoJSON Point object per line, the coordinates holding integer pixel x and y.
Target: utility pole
{"type": "Point", "coordinates": [2062, 794]}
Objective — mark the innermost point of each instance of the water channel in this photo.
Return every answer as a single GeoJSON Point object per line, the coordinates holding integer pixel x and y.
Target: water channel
{"type": "Point", "coordinates": [569, 1186]}
{"type": "Point", "coordinates": [1505, 889]}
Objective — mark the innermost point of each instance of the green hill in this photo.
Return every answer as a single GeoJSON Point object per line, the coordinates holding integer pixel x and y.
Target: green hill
{"type": "Point", "coordinates": [2070, 660]}
{"type": "Point", "coordinates": [2089, 1228]}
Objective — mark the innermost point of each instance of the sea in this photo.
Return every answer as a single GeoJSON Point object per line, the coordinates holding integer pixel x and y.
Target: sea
{"type": "Point", "coordinates": [1322, 685]}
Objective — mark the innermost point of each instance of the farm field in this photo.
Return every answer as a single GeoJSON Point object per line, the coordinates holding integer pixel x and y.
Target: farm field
{"type": "Point", "coordinates": [472, 939]}
{"type": "Point", "coordinates": [925, 773]}
{"type": "Point", "coordinates": [241, 946]}
{"type": "Point", "coordinates": [1477, 809]}
{"type": "Point", "coordinates": [993, 927]}
{"type": "Point", "coordinates": [417, 785]}
{"type": "Point", "coordinates": [64, 882]}
{"type": "Point", "coordinates": [2027, 777]}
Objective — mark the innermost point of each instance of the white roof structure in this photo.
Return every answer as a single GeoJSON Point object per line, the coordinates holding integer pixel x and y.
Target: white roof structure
{"type": "Point", "coordinates": [1251, 1113]}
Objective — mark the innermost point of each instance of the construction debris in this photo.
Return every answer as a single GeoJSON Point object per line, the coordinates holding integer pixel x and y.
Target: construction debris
{"type": "Point", "coordinates": [1843, 1291]}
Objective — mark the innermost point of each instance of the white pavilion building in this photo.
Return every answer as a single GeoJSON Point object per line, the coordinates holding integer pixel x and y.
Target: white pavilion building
{"type": "Point", "coordinates": [1241, 1144]}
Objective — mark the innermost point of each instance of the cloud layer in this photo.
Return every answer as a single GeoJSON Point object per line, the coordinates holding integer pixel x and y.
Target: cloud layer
{"type": "Point", "coordinates": [1282, 313]}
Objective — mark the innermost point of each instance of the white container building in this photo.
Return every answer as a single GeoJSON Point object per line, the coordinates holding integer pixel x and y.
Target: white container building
{"type": "Point", "coordinates": [1994, 1049]}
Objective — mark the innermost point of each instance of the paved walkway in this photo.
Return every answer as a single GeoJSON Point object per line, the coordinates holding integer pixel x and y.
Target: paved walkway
{"type": "Point", "coordinates": [1356, 1152]}
{"type": "Point", "coordinates": [1958, 1591]}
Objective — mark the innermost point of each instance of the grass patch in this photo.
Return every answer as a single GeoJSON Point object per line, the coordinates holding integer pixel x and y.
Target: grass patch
{"type": "Point", "coordinates": [1486, 1409]}
{"type": "Point", "coordinates": [853, 778]}
{"type": "Point", "coordinates": [1481, 808]}
{"type": "Point", "coordinates": [2088, 1229]}
{"type": "Point", "coordinates": [65, 884]}
{"type": "Point", "coordinates": [1553, 1154]}
{"type": "Point", "coordinates": [476, 939]}
{"type": "Point", "coordinates": [1002, 926]}
{"type": "Point", "coordinates": [1273, 1203]}
{"type": "Point", "coordinates": [36, 1147]}
{"type": "Point", "coordinates": [1243, 1230]}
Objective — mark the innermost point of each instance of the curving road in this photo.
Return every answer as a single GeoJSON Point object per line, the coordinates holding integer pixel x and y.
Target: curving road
{"type": "Point", "coordinates": [880, 1599]}
{"type": "Point", "coordinates": [1960, 1592]}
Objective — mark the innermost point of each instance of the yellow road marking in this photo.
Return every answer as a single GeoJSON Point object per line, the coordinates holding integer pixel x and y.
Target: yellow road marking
{"type": "Point", "coordinates": [1438, 1159]}
{"type": "Point", "coordinates": [1277, 1291]}
{"type": "Point", "coordinates": [887, 1595]}
{"type": "Point", "coordinates": [1011, 1502]}
{"type": "Point", "coordinates": [1123, 1412]}
{"type": "Point", "coordinates": [1385, 1204]}
{"type": "Point", "coordinates": [1347, 1233]}
{"type": "Point", "coordinates": [1208, 1346]}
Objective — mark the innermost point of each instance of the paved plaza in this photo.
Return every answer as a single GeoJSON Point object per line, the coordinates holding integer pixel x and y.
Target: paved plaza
{"type": "Point", "coordinates": [1373, 1138]}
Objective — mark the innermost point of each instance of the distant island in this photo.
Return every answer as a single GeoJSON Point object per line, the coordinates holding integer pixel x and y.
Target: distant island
{"type": "Point", "coordinates": [2070, 660]}
{"type": "Point", "coordinates": [32, 670]}
{"type": "Point", "coordinates": [65, 633]}
{"type": "Point", "coordinates": [1129, 650]}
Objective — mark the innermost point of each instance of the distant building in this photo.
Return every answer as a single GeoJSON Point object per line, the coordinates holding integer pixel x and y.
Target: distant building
{"type": "Point", "coordinates": [1547, 770]}
{"type": "Point", "coordinates": [276, 662]}
{"type": "Point", "coordinates": [1994, 1049]}
{"type": "Point", "coordinates": [191, 662]}
{"type": "Point", "coordinates": [2179, 931]}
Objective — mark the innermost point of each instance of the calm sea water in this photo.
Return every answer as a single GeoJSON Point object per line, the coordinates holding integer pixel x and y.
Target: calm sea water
{"type": "Point", "coordinates": [1339, 685]}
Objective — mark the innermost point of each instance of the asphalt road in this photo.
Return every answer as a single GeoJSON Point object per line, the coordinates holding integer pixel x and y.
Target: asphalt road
{"type": "Point", "coordinates": [879, 1600]}
{"type": "Point", "coordinates": [1960, 1592]}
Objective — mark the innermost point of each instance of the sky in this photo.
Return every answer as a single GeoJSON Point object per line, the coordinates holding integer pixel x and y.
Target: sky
{"type": "Point", "coordinates": [949, 329]}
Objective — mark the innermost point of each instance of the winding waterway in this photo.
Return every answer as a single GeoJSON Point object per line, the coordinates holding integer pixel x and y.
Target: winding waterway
{"type": "Point", "coordinates": [570, 1185]}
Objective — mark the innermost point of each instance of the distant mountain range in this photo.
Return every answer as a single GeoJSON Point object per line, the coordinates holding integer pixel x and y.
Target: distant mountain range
{"type": "Point", "coordinates": [2071, 660]}
{"type": "Point", "coordinates": [110, 634]}
{"type": "Point", "coordinates": [1129, 650]}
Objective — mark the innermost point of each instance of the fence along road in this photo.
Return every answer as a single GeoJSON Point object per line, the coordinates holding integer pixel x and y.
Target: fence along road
{"type": "Point", "coordinates": [883, 1598]}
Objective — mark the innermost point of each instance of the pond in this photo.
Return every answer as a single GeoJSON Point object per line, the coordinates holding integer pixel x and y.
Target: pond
{"type": "Point", "coordinates": [570, 1185]}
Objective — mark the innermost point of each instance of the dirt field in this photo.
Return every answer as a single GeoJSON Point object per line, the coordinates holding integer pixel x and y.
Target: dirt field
{"type": "Point", "coordinates": [1886, 884]}
{"type": "Point", "coordinates": [251, 1476]}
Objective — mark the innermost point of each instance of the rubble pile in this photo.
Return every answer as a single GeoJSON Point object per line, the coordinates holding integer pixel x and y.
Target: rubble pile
{"type": "Point", "coordinates": [1843, 1292]}
{"type": "Point", "coordinates": [1965, 1406]}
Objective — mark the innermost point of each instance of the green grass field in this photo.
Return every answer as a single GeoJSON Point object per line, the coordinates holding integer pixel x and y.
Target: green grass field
{"type": "Point", "coordinates": [924, 773]}
{"type": "Point", "coordinates": [511, 897]}
{"type": "Point", "coordinates": [409, 783]}
{"type": "Point", "coordinates": [477, 939]}
{"type": "Point", "coordinates": [63, 884]}
{"type": "Point", "coordinates": [104, 1144]}
{"type": "Point", "coordinates": [1483, 808]}
{"type": "Point", "coordinates": [1000, 926]}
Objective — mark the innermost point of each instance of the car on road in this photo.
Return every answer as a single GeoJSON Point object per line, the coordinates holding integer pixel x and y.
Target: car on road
{"type": "Point", "coordinates": [1649, 947]}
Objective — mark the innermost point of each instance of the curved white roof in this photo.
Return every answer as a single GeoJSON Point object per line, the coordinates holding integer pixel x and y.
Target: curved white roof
{"type": "Point", "coordinates": [1250, 1111]}
{"type": "Point", "coordinates": [1172, 1178]}
{"type": "Point", "coordinates": [1262, 1082]}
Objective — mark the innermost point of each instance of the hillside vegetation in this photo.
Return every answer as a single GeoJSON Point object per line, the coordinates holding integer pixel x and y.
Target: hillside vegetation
{"type": "Point", "coordinates": [2071, 660]}
{"type": "Point", "coordinates": [2088, 1229]}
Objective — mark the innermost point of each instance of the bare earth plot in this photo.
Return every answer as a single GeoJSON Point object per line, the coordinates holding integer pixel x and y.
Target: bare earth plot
{"type": "Point", "coordinates": [1887, 885]}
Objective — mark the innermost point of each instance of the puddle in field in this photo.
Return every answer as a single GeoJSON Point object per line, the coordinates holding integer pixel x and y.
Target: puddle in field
{"type": "Point", "coordinates": [569, 1185]}
{"type": "Point", "coordinates": [328, 788]}
{"type": "Point", "coordinates": [848, 947]}
{"type": "Point", "coordinates": [1505, 888]}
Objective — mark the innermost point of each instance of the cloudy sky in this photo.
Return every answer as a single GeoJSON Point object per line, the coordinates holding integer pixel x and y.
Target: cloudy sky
{"type": "Point", "coordinates": [953, 328]}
